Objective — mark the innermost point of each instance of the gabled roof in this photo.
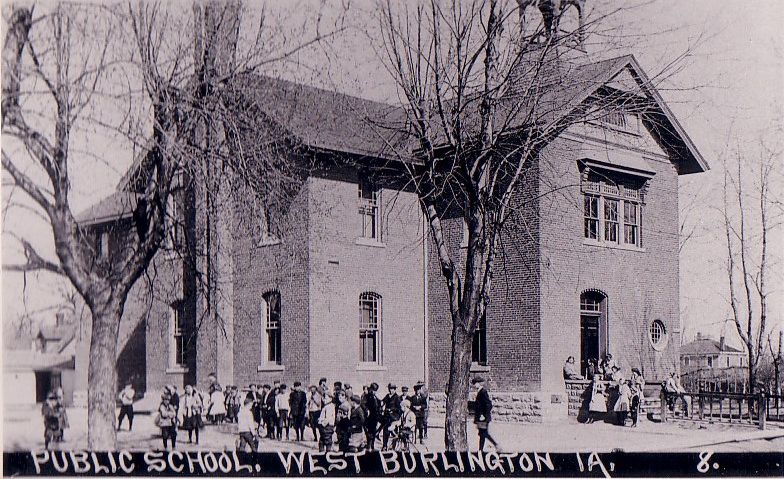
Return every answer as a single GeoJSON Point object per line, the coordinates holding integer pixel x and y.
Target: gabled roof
{"type": "Point", "coordinates": [328, 120]}
{"type": "Point", "coordinates": [119, 204]}
{"type": "Point", "coordinates": [337, 122]}
{"type": "Point", "coordinates": [706, 346]}
{"type": "Point", "coordinates": [62, 335]}
{"type": "Point", "coordinates": [564, 89]}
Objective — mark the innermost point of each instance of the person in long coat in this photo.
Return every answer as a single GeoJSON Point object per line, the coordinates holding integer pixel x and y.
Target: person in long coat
{"type": "Point", "coordinates": [483, 407]}
{"type": "Point", "coordinates": [598, 404]}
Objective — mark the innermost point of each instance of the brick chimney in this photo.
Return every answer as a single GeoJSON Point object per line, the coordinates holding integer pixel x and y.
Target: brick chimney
{"type": "Point", "coordinates": [699, 335]}
{"type": "Point", "coordinates": [721, 343]}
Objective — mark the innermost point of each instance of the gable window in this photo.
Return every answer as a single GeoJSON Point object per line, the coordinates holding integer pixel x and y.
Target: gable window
{"type": "Point", "coordinates": [270, 316]}
{"type": "Point", "coordinates": [370, 328]}
{"type": "Point", "coordinates": [612, 211]}
{"type": "Point", "coordinates": [369, 211]}
{"type": "Point", "coordinates": [177, 345]}
{"type": "Point", "coordinates": [619, 119]}
{"type": "Point", "coordinates": [710, 361]}
{"type": "Point", "coordinates": [479, 345]}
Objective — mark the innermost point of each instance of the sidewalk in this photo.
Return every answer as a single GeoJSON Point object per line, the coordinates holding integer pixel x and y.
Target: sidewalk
{"type": "Point", "coordinates": [23, 431]}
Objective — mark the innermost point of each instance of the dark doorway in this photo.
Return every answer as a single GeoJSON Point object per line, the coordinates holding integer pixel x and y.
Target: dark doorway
{"type": "Point", "coordinates": [593, 328]}
{"type": "Point", "coordinates": [589, 341]}
{"type": "Point", "coordinates": [43, 384]}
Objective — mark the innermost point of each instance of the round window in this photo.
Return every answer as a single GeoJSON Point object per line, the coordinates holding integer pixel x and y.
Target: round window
{"type": "Point", "coordinates": [658, 335]}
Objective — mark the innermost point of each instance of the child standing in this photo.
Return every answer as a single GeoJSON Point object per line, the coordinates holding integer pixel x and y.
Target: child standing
{"type": "Point", "coordinates": [282, 410]}
{"type": "Point", "coordinates": [52, 430]}
{"type": "Point", "coordinates": [326, 425]}
{"type": "Point", "coordinates": [167, 421]}
{"type": "Point", "coordinates": [247, 427]}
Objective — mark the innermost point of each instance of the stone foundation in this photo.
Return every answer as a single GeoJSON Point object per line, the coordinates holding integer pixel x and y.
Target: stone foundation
{"type": "Point", "coordinates": [576, 393]}
{"type": "Point", "coordinates": [536, 407]}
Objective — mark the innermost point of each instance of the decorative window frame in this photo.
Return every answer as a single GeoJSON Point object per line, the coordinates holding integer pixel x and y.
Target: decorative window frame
{"type": "Point", "coordinates": [606, 193]}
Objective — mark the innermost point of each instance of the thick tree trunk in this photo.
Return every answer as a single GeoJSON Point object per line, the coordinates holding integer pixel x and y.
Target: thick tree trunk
{"type": "Point", "coordinates": [102, 378]}
{"type": "Point", "coordinates": [455, 438]}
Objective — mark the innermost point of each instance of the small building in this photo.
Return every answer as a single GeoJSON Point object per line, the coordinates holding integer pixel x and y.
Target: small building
{"type": "Point", "coordinates": [45, 364]}
{"type": "Point", "coordinates": [706, 354]}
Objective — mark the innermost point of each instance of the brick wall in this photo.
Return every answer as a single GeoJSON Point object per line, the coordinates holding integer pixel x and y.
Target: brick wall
{"type": "Point", "coordinates": [513, 331]}
{"type": "Point", "coordinates": [260, 268]}
{"type": "Point", "coordinates": [341, 267]}
{"type": "Point", "coordinates": [641, 285]}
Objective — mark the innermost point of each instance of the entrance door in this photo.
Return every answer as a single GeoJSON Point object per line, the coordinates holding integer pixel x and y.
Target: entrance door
{"type": "Point", "coordinates": [43, 383]}
{"type": "Point", "coordinates": [589, 341]}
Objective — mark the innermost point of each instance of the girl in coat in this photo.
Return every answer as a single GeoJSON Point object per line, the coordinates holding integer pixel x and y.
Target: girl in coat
{"type": "Point", "coordinates": [622, 404]}
{"type": "Point", "coordinates": [217, 408]}
{"type": "Point", "coordinates": [598, 404]}
{"type": "Point", "coordinates": [191, 408]}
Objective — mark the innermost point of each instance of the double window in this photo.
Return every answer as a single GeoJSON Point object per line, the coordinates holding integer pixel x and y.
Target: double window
{"type": "Point", "coordinates": [612, 213]}
{"type": "Point", "coordinates": [370, 328]}
{"type": "Point", "coordinates": [369, 211]}
{"type": "Point", "coordinates": [270, 320]}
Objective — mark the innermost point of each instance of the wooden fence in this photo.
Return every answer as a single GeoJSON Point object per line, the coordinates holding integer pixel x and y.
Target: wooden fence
{"type": "Point", "coordinates": [720, 407]}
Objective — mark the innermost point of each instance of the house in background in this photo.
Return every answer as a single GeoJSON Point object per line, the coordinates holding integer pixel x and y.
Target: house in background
{"type": "Point", "coordinates": [45, 364]}
{"type": "Point", "coordinates": [705, 353]}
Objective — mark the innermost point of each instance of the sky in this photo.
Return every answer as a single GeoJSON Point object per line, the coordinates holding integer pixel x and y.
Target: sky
{"type": "Point", "coordinates": [727, 92]}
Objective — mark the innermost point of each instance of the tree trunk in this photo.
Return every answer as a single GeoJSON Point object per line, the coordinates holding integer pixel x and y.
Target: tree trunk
{"type": "Point", "coordinates": [455, 438]}
{"type": "Point", "coordinates": [102, 377]}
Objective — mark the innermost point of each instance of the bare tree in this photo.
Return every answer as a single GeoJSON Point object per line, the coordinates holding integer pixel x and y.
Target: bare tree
{"type": "Point", "coordinates": [71, 52]}
{"type": "Point", "coordinates": [750, 218]}
{"type": "Point", "coordinates": [484, 93]}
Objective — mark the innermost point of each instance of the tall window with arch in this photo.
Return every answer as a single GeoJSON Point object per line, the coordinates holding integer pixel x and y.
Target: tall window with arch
{"type": "Point", "coordinates": [593, 328]}
{"type": "Point", "coordinates": [270, 321]}
{"type": "Point", "coordinates": [370, 328]}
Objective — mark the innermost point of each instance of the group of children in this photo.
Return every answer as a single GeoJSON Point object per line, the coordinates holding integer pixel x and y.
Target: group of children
{"type": "Point", "coordinates": [612, 391]}
{"type": "Point", "coordinates": [334, 415]}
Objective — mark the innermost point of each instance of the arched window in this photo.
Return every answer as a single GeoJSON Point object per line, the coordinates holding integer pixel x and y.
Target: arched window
{"type": "Point", "coordinates": [270, 320]}
{"type": "Point", "coordinates": [370, 328]}
{"type": "Point", "coordinates": [593, 327]}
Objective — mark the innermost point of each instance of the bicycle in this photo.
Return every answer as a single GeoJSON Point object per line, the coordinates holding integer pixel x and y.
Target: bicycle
{"type": "Point", "coordinates": [401, 439]}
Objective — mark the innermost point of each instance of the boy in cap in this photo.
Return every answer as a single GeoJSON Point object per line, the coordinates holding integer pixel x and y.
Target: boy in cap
{"type": "Point", "coordinates": [392, 410]}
